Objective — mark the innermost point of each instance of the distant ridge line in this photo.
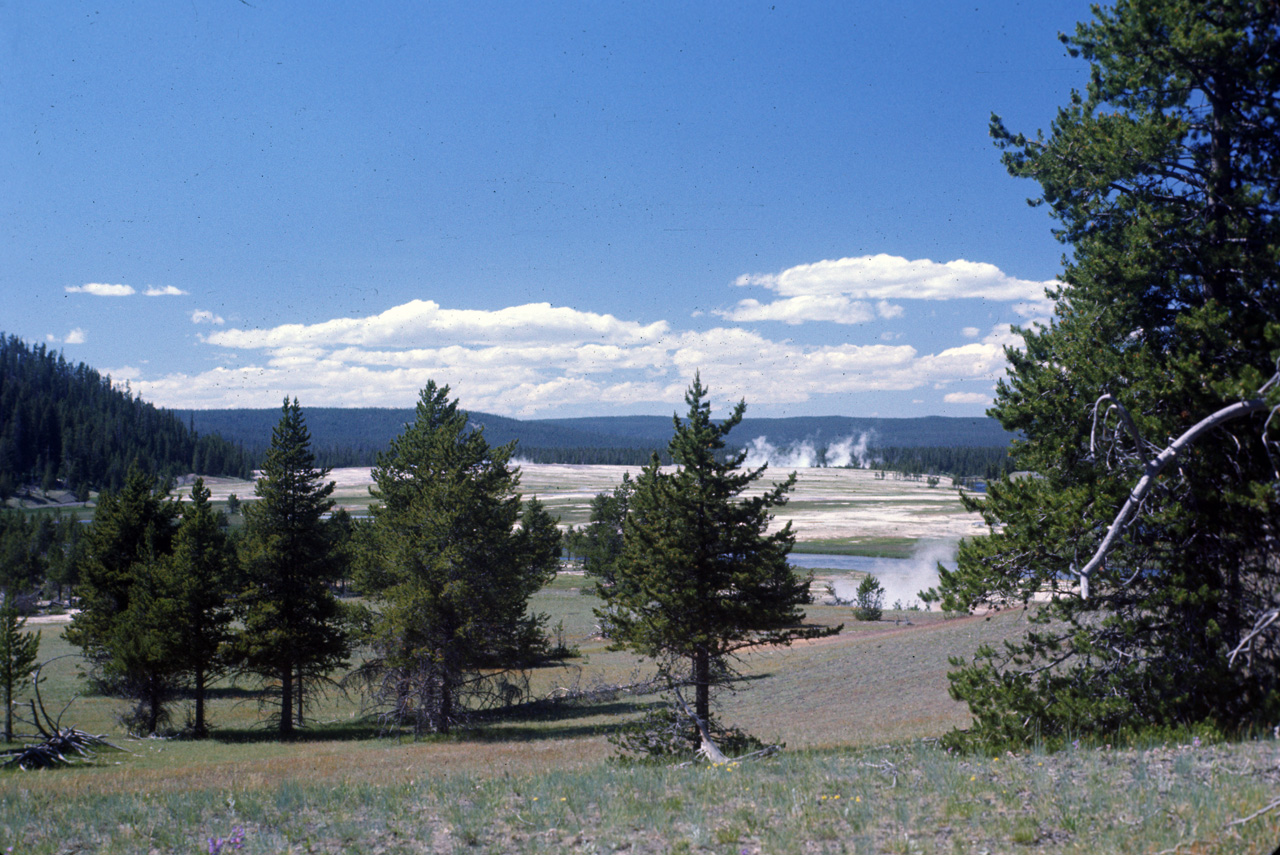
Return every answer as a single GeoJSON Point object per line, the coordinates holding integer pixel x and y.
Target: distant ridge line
{"type": "Point", "coordinates": [374, 427]}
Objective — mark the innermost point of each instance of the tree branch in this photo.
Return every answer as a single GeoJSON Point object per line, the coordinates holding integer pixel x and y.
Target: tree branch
{"type": "Point", "coordinates": [1153, 469]}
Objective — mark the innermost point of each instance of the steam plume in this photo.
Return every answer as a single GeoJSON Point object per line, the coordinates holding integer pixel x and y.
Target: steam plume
{"type": "Point", "coordinates": [804, 454]}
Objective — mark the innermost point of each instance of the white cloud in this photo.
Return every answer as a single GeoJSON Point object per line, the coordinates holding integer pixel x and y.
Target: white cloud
{"type": "Point", "coordinates": [422, 322]}
{"type": "Point", "coordinates": [200, 316]}
{"type": "Point", "coordinates": [99, 289]}
{"type": "Point", "coordinates": [891, 277]}
{"type": "Point", "coordinates": [795, 310]}
{"type": "Point", "coordinates": [76, 336]}
{"type": "Point", "coordinates": [809, 291]}
{"type": "Point", "coordinates": [166, 291]}
{"type": "Point", "coordinates": [887, 310]}
{"type": "Point", "coordinates": [539, 359]}
{"type": "Point", "coordinates": [970, 332]}
{"type": "Point", "coordinates": [967, 398]}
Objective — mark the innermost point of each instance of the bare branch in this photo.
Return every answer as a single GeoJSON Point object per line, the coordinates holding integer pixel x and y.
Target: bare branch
{"type": "Point", "coordinates": [1153, 469]}
{"type": "Point", "coordinates": [1264, 620]}
{"type": "Point", "coordinates": [1124, 417]}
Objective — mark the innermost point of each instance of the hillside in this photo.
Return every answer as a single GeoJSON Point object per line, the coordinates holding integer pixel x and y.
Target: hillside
{"type": "Point", "coordinates": [65, 425]}
{"type": "Point", "coordinates": [350, 437]}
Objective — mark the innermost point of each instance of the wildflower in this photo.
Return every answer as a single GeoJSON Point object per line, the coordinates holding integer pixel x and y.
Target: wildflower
{"type": "Point", "coordinates": [1195, 743]}
{"type": "Point", "coordinates": [973, 777]}
{"type": "Point", "coordinates": [857, 798]}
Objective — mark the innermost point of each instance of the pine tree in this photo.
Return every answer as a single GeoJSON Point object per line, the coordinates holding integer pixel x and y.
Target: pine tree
{"type": "Point", "coordinates": [601, 539]}
{"type": "Point", "coordinates": [18, 652]}
{"type": "Point", "coordinates": [202, 567]}
{"type": "Point", "coordinates": [132, 530]}
{"type": "Point", "coordinates": [699, 579]}
{"type": "Point", "coordinates": [293, 628]}
{"type": "Point", "coordinates": [1163, 176]}
{"type": "Point", "coordinates": [455, 562]}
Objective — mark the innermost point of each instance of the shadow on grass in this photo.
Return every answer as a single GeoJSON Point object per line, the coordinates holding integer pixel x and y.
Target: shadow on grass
{"type": "Point", "coordinates": [530, 722]}
{"type": "Point", "coordinates": [324, 732]}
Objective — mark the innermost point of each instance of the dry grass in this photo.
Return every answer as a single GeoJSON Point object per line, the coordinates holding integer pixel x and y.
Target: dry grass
{"type": "Point", "coordinates": [856, 710]}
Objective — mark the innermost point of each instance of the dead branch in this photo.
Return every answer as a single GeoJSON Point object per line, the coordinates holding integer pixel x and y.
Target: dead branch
{"type": "Point", "coordinates": [1114, 404]}
{"type": "Point", "coordinates": [61, 746]}
{"type": "Point", "coordinates": [1264, 620]}
{"type": "Point", "coordinates": [1257, 813]}
{"type": "Point", "coordinates": [709, 749]}
{"type": "Point", "coordinates": [1152, 470]}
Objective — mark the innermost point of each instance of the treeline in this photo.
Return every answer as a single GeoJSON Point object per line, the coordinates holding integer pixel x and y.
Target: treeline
{"type": "Point", "coordinates": [65, 425]}
{"type": "Point", "coordinates": [355, 436]}
{"type": "Point", "coordinates": [988, 463]}
{"type": "Point", "coordinates": [593, 456]}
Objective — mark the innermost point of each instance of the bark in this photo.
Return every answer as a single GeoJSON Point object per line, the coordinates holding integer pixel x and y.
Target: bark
{"type": "Point", "coordinates": [702, 686]}
{"type": "Point", "coordinates": [286, 701]}
{"type": "Point", "coordinates": [199, 679]}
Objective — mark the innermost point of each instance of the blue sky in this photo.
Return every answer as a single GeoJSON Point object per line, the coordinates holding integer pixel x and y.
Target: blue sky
{"type": "Point", "coordinates": [557, 210]}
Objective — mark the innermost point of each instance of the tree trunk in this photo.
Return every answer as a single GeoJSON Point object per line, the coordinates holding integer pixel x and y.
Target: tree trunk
{"type": "Point", "coordinates": [200, 729]}
{"type": "Point", "coordinates": [153, 699]}
{"type": "Point", "coordinates": [702, 685]}
{"type": "Point", "coordinates": [298, 703]}
{"type": "Point", "coordinates": [286, 701]}
{"type": "Point", "coordinates": [446, 705]}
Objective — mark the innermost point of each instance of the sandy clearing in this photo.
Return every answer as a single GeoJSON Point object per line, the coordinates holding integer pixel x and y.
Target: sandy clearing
{"type": "Point", "coordinates": [826, 504]}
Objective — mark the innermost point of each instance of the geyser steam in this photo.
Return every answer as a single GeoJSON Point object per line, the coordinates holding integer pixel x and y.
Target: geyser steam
{"type": "Point", "coordinates": [904, 578]}
{"type": "Point", "coordinates": [805, 454]}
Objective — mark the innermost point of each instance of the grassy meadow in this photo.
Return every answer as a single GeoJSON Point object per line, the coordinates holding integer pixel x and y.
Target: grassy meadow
{"type": "Point", "coordinates": [859, 714]}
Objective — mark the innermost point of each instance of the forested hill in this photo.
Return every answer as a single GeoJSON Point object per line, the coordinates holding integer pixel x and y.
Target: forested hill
{"type": "Point", "coordinates": [934, 431]}
{"type": "Point", "coordinates": [65, 425]}
{"type": "Point", "coordinates": [352, 437]}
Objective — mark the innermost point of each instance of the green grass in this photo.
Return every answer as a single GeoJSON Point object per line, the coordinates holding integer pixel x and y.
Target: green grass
{"type": "Point", "coordinates": [905, 798]}
{"type": "Point", "coordinates": [860, 774]}
{"type": "Point", "coordinates": [871, 547]}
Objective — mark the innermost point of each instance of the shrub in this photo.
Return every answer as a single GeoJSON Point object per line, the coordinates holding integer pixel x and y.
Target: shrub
{"type": "Point", "coordinates": [870, 599]}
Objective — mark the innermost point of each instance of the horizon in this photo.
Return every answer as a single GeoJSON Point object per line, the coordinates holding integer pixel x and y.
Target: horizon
{"type": "Point", "coordinates": [557, 213]}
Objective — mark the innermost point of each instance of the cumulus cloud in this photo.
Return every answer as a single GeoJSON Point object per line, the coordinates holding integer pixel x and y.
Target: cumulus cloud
{"type": "Point", "coordinates": [887, 310]}
{"type": "Point", "coordinates": [76, 336]}
{"type": "Point", "coordinates": [834, 308]}
{"type": "Point", "coordinates": [200, 316]}
{"type": "Point", "coordinates": [422, 322]}
{"type": "Point", "coordinates": [99, 289]}
{"type": "Point", "coordinates": [970, 332]}
{"type": "Point", "coordinates": [527, 360]}
{"type": "Point", "coordinates": [816, 292]}
{"type": "Point", "coordinates": [166, 291]}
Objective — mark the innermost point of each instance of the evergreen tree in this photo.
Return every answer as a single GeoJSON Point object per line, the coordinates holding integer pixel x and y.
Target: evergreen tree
{"type": "Point", "coordinates": [454, 564]}
{"type": "Point", "coordinates": [18, 652]}
{"type": "Point", "coordinates": [132, 530]}
{"type": "Point", "coordinates": [600, 541]}
{"type": "Point", "coordinates": [22, 561]}
{"type": "Point", "coordinates": [144, 653]}
{"type": "Point", "coordinates": [699, 579]}
{"type": "Point", "coordinates": [1163, 177]}
{"type": "Point", "coordinates": [202, 569]}
{"type": "Point", "coordinates": [293, 627]}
